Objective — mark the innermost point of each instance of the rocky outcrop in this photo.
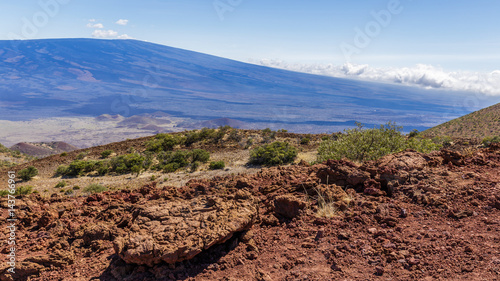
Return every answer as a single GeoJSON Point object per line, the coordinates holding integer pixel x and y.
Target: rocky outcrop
{"type": "Point", "coordinates": [173, 231]}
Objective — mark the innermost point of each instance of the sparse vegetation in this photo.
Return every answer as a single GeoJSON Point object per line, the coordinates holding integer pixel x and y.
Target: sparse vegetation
{"type": "Point", "coordinates": [64, 154]}
{"type": "Point", "coordinates": [200, 155]}
{"type": "Point", "coordinates": [490, 140]}
{"type": "Point", "coordinates": [106, 153]}
{"type": "Point", "coordinates": [95, 188]}
{"type": "Point", "coordinates": [276, 153]}
{"type": "Point", "coordinates": [164, 142]}
{"type": "Point", "coordinates": [61, 170]}
{"type": "Point", "coordinates": [20, 190]}
{"type": "Point", "coordinates": [361, 144]}
{"type": "Point", "coordinates": [217, 165]}
{"type": "Point", "coordinates": [61, 184]}
{"type": "Point", "coordinates": [305, 140]}
{"type": "Point", "coordinates": [128, 163]}
{"type": "Point", "coordinates": [81, 155]}
{"type": "Point", "coordinates": [28, 173]}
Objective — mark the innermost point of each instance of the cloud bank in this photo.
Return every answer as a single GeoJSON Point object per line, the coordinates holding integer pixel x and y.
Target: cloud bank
{"type": "Point", "coordinates": [100, 32]}
{"type": "Point", "coordinates": [422, 75]}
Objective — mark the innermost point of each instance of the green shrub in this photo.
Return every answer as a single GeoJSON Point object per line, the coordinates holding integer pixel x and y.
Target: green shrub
{"type": "Point", "coordinates": [94, 188]}
{"type": "Point", "coordinates": [276, 153]}
{"type": "Point", "coordinates": [62, 170]}
{"type": "Point", "coordinates": [61, 184]}
{"type": "Point", "coordinates": [266, 131]}
{"type": "Point", "coordinates": [127, 163]}
{"type": "Point", "coordinates": [305, 140]}
{"type": "Point", "coordinates": [200, 155]}
{"type": "Point", "coordinates": [105, 154]}
{"type": "Point", "coordinates": [171, 167]}
{"type": "Point", "coordinates": [79, 167]}
{"type": "Point", "coordinates": [21, 190]}
{"type": "Point", "coordinates": [76, 187]}
{"type": "Point", "coordinates": [163, 142]}
{"type": "Point", "coordinates": [413, 133]}
{"type": "Point", "coordinates": [24, 190]}
{"type": "Point", "coordinates": [195, 165]}
{"type": "Point", "coordinates": [81, 155]}
{"type": "Point", "coordinates": [204, 134]}
{"type": "Point", "coordinates": [235, 136]}
{"type": "Point", "coordinates": [172, 161]}
{"type": "Point", "coordinates": [28, 173]}
{"type": "Point", "coordinates": [217, 165]}
{"type": "Point", "coordinates": [422, 144]}
{"type": "Point", "coordinates": [68, 192]}
{"type": "Point", "coordinates": [490, 140]}
{"type": "Point", "coordinates": [370, 144]}
{"type": "Point", "coordinates": [64, 154]}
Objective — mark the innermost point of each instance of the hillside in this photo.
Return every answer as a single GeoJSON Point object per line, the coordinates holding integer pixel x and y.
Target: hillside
{"type": "Point", "coordinates": [43, 149]}
{"type": "Point", "coordinates": [405, 216]}
{"type": "Point", "coordinates": [10, 158]}
{"type": "Point", "coordinates": [479, 124]}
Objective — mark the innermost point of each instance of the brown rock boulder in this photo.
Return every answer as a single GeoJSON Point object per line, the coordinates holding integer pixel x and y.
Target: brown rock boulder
{"type": "Point", "coordinates": [288, 205]}
{"type": "Point", "coordinates": [174, 231]}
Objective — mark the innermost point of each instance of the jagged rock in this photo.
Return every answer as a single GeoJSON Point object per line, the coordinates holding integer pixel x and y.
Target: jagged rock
{"type": "Point", "coordinates": [173, 231]}
{"type": "Point", "coordinates": [288, 206]}
{"type": "Point", "coordinates": [342, 173]}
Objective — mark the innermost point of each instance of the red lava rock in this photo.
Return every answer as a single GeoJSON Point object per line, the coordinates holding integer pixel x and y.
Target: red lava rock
{"type": "Point", "coordinates": [171, 232]}
{"type": "Point", "coordinates": [413, 261]}
{"type": "Point", "coordinates": [288, 206]}
{"type": "Point", "coordinates": [225, 228]}
{"type": "Point", "coordinates": [379, 270]}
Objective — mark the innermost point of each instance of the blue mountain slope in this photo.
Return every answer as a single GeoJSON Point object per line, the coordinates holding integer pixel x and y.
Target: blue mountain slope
{"type": "Point", "coordinates": [68, 77]}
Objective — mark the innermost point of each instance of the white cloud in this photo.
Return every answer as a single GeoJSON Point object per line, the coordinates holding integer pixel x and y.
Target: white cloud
{"type": "Point", "coordinates": [121, 22]}
{"type": "Point", "coordinates": [99, 33]}
{"type": "Point", "coordinates": [95, 25]}
{"type": "Point", "coordinates": [91, 20]}
{"type": "Point", "coordinates": [125, 36]}
{"type": "Point", "coordinates": [426, 76]}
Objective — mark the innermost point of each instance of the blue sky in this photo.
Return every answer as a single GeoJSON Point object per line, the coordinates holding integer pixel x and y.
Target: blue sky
{"type": "Point", "coordinates": [455, 35]}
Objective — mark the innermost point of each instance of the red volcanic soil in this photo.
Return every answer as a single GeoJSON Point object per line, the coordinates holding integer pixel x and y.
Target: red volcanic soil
{"type": "Point", "coordinates": [408, 216]}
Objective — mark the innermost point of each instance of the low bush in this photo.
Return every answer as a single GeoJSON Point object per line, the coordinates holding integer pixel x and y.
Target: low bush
{"type": "Point", "coordinates": [106, 153]}
{"type": "Point", "coordinates": [276, 153]}
{"type": "Point", "coordinates": [28, 173]}
{"type": "Point", "coordinates": [172, 161]}
{"type": "Point", "coordinates": [24, 190]}
{"type": "Point", "coordinates": [61, 184]}
{"type": "Point", "coordinates": [62, 170]}
{"type": "Point", "coordinates": [305, 140]}
{"type": "Point", "coordinates": [128, 163]}
{"type": "Point", "coordinates": [164, 142]}
{"type": "Point", "coordinates": [360, 144]}
{"type": "Point", "coordinates": [217, 165]}
{"type": "Point", "coordinates": [95, 188]}
{"type": "Point", "coordinates": [490, 140]}
{"type": "Point", "coordinates": [200, 155]}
